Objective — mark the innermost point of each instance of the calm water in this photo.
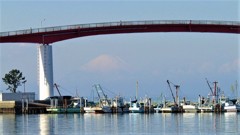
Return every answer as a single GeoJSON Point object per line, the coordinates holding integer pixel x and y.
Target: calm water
{"type": "Point", "coordinates": [117, 124]}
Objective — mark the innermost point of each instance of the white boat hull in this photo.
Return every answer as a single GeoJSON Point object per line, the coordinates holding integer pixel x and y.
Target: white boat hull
{"type": "Point", "coordinates": [232, 108]}
{"type": "Point", "coordinates": [89, 109]}
{"type": "Point", "coordinates": [190, 108]}
{"type": "Point", "coordinates": [169, 109]}
{"type": "Point", "coordinates": [104, 109]}
{"type": "Point", "coordinates": [206, 108]}
{"type": "Point", "coordinates": [157, 110]}
{"type": "Point", "coordinates": [136, 109]}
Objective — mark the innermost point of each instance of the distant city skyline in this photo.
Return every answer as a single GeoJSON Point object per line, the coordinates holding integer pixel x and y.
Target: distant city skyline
{"type": "Point", "coordinates": [118, 61]}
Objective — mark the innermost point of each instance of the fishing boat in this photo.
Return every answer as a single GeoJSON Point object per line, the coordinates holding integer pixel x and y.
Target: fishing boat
{"type": "Point", "coordinates": [103, 106]}
{"type": "Point", "coordinates": [169, 107]}
{"type": "Point", "coordinates": [230, 105]}
{"type": "Point", "coordinates": [211, 103]}
{"type": "Point", "coordinates": [159, 106]}
{"type": "Point", "coordinates": [205, 105]}
{"type": "Point", "coordinates": [60, 104]}
{"type": "Point", "coordinates": [118, 105]}
{"type": "Point", "coordinates": [189, 107]}
{"type": "Point", "coordinates": [74, 107]}
{"type": "Point", "coordinates": [136, 107]}
{"type": "Point", "coordinates": [158, 109]}
{"type": "Point", "coordinates": [98, 109]}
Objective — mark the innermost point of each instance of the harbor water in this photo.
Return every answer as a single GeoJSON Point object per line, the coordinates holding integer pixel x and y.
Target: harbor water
{"type": "Point", "coordinates": [120, 124]}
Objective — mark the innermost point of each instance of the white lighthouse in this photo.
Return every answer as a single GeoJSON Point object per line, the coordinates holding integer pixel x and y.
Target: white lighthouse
{"type": "Point", "coordinates": [45, 73]}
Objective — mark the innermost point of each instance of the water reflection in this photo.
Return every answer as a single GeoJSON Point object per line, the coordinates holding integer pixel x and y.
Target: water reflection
{"type": "Point", "coordinates": [101, 124]}
{"type": "Point", "coordinates": [187, 123]}
{"type": "Point", "coordinates": [231, 122]}
{"type": "Point", "coordinates": [44, 124]}
{"type": "Point", "coordinates": [8, 124]}
{"type": "Point", "coordinates": [171, 123]}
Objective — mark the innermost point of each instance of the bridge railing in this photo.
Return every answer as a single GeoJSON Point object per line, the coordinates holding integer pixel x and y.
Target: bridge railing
{"type": "Point", "coordinates": [120, 23]}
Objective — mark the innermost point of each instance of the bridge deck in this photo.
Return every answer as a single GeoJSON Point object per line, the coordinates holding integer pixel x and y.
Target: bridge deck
{"type": "Point", "coordinates": [54, 34]}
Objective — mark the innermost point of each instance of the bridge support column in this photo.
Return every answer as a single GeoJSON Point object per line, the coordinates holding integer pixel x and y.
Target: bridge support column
{"type": "Point", "coordinates": [45, 71]}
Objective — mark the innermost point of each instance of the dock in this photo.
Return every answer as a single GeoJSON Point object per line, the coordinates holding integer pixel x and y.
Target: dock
{"type": "Point", "coordinates": [18, 107]}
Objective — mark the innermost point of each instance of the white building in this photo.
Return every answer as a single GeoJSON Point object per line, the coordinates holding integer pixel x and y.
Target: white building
{"type": "Point", "coordinates": [17, 96]}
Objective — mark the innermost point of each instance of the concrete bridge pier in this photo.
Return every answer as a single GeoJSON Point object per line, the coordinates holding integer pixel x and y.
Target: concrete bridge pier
{"type": "Point", "coordinates": [45, 71]}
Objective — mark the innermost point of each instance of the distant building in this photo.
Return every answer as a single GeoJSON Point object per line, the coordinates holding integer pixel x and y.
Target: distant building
{"type": "Point", "coordinates": [17, 96]}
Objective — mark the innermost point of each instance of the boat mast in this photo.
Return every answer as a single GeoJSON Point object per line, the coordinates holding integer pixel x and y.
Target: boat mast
{"type": "Point", "coordinates": [137, 90]}
{"type": "Point", "coordinates": [237, 89]}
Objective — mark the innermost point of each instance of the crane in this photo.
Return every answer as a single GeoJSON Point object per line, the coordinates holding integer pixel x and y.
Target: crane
{"type": "Point", "coordinates": [177, 87]}
{"type": "Point", "coordinates": [215, 92]}
{"type": "Point", "coordinates": [61, 97]}
{"type": "Point", "coordinates": [209, 86]}
{"type": "Point", "coordinates": [57, 89]}
{"type": "Point", "coordinates": [101, 95]}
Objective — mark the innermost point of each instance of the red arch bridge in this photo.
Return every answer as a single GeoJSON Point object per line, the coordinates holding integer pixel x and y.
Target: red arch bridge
{"type": "Point", "coordinates": [48, 35]}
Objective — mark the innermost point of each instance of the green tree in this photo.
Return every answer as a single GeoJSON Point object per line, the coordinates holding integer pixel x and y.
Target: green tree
{"type": "Point", "coordinates": [13, 79]}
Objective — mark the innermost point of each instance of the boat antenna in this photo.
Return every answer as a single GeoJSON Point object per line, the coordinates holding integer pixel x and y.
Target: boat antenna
{"type": "Point", "coordinates": [237, 88]}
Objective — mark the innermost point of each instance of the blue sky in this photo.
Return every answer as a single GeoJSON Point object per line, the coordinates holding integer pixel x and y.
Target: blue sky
{"type": "Point", "coordinates": [118, 61]}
